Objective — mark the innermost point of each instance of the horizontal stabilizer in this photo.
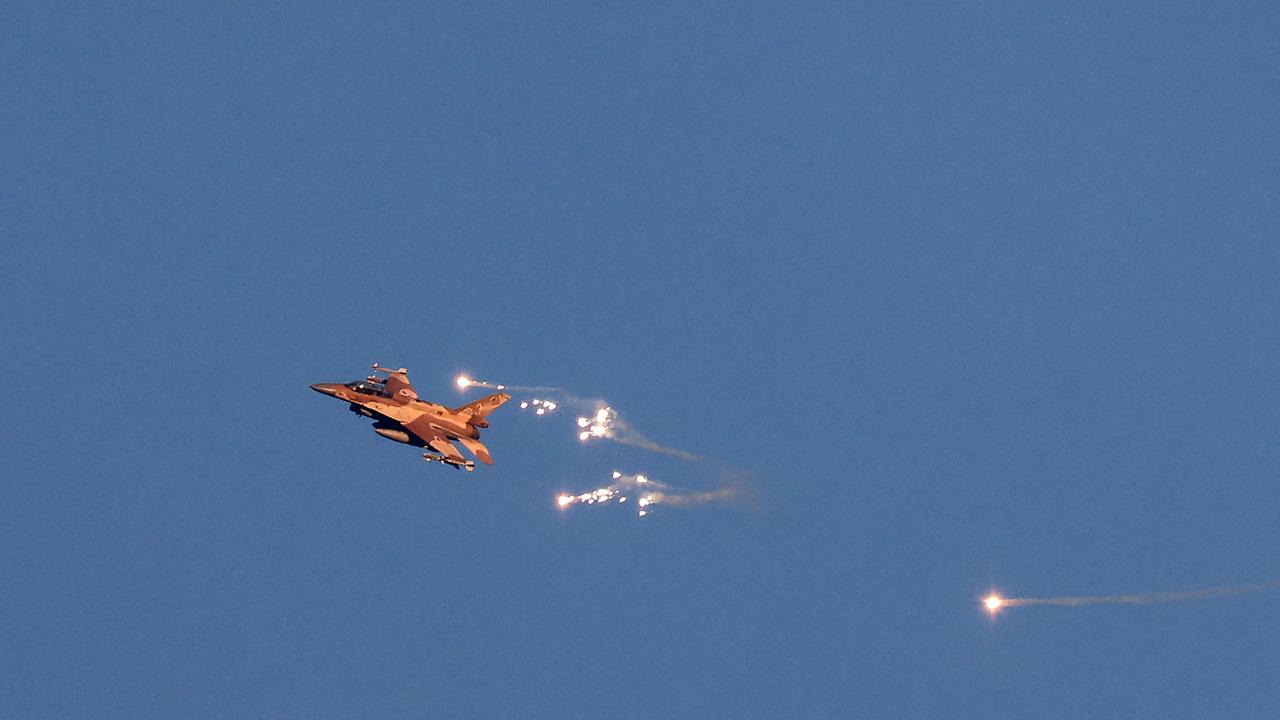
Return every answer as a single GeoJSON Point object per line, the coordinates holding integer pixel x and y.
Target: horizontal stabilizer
{"type": "Point", "coordinates": [475, 447]}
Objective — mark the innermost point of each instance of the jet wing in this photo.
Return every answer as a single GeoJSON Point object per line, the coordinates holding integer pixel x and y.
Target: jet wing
{"type": "Point", "coordinates": [434, 438]}
{"type": "Point", "coordinates": [446, 448]}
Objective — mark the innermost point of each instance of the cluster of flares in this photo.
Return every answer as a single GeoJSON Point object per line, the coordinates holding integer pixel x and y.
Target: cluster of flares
{"type": "Point", "coordinates": [607, 424]}
{"type": "Point", "coordinates": [595, 420]}
{"type": "Point", "coordinates": [539, 406]}
{"type": "Point", "coordinates": [994, 602]}
{"type": "Point", "coordinates": [646, 492]}
{"type": "Point", "coordinates": [598, 425]}
{"type": "Point", "coordinates": [620, 490]}
{"type": "Point", "coordinates": [603, 422]}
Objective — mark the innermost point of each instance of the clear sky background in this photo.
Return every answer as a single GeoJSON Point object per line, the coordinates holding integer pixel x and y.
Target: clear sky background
{"type": "Point", "coordinates": [978, 297]}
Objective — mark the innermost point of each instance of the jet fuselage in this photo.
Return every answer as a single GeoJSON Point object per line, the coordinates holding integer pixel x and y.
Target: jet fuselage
{"type": "Point", "coordinates": [392, 414]}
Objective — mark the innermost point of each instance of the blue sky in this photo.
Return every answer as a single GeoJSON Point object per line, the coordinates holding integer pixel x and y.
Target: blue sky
{"type": "Point", "coordinates": [976, 297]}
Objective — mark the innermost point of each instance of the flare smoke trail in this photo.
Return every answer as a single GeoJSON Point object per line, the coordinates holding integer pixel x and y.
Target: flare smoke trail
{"type": "Point", "coordinates": [604, 422]}
{"type": "Point", "coordinates": [995, 602]}
{"type": "Point", "coordinates": [647, 493]}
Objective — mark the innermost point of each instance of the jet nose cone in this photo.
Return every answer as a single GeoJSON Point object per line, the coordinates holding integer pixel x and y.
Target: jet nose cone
{"type": "Point", "coordinates": [324, 389]}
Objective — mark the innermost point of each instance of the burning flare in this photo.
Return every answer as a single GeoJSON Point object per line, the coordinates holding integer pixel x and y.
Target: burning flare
{"type": "Point", "coordinates": [465, 382]}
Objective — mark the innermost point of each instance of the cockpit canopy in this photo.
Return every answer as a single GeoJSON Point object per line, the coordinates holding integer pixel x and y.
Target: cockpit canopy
{"type": "Point", "coordinates": [364, 387]}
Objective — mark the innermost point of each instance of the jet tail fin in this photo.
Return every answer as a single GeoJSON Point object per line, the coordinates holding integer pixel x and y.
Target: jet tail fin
{"type": "Point", "coordinates": [482, 407]}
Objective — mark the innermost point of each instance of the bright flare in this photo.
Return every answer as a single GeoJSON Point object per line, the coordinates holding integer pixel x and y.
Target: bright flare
{"type": "Point", "coordinates": [464, 382]}
{"type": "Point", "coordinates": [993, 602]}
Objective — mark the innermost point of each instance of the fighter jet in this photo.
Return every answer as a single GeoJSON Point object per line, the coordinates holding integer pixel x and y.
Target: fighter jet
{"type": "Point", "coordinates": [399, 414]}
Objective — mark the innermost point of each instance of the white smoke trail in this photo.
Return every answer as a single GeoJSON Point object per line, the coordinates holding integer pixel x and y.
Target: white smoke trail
{"type": "Point", "coordinates": [995, 602]}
